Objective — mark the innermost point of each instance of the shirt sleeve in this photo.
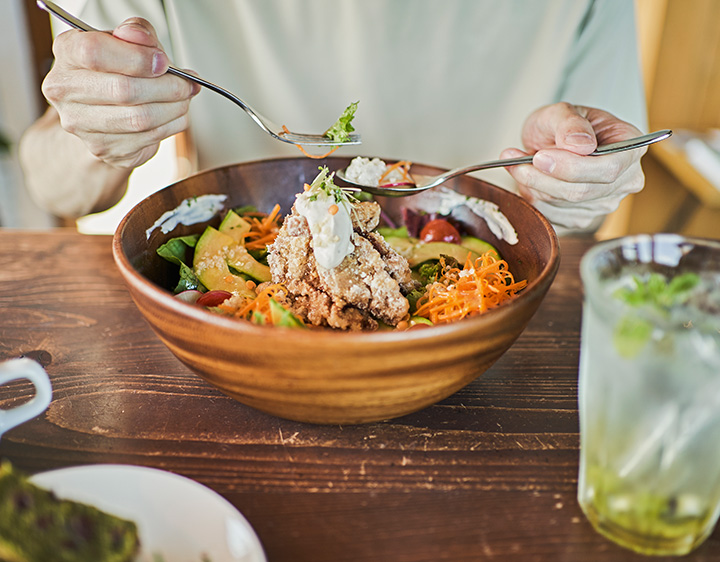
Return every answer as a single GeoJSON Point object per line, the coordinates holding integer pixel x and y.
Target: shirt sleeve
{"type": "Point", "coordinates": [603, 70]}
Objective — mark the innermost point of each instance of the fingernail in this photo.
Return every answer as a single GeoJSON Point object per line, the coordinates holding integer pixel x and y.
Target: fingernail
{"type": "Point", "coordinates": [544, 162]}
{"type": "Point", "coordinates": [159, 63]}
{"type": "Point", "coordinates": [580, 139]}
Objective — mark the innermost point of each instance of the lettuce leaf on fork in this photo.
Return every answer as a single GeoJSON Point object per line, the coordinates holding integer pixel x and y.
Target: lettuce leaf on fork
{"type": "Point", "coordinates": [341, 129]}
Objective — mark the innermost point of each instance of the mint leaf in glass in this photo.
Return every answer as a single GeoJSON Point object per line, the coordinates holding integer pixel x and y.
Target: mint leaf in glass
{"type": "Point", "coordinates": [656, 293]}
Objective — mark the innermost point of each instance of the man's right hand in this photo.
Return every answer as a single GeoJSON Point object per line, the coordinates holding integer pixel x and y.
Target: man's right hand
{"type": "Point", "coordinates": [112, 91]}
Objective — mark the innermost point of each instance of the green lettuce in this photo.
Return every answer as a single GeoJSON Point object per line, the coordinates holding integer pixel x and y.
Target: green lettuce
{"type": "Point", "coordinates": [176, 251]}
{"type": "Point", "coordinates": [341, 129]}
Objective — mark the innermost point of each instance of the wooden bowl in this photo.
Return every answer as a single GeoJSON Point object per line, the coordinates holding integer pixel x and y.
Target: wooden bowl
{"type": "Point", "coordinates": [325, 376]}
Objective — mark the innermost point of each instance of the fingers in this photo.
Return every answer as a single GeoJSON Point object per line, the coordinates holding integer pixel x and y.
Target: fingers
{"type": "Point", "coordinates": [589, 178]}
{"type": "Point", "coordinates": [93, 88]}
{"type": "Point", "coordinates": [112, 91]}
{"type": "Point", "coordinates": [102, 52]}
{"type": "Point", "coordinates": [129, 150]}
{"type": "Point", "coordinates": [565, 166]}
{"type": "Point", "coordinates": [571, 187]}
{"type": "Point", "coordinates": [81, 119]}
{"type": "Point", "coordinates": [560, 125]}
{"type": "Point", "coordinates": [137, 30]}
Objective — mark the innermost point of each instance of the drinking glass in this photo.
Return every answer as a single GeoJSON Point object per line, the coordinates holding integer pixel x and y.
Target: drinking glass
{"type": "Point", "coordinates": [649, 391]}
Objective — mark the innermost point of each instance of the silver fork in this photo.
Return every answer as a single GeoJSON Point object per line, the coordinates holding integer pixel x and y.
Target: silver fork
{"type": "Point", "coordinates": [272, 129]}
{"type": "Point", "coordinates": [423, 183]}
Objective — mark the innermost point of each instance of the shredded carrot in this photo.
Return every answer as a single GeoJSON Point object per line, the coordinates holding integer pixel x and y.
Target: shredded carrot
{"type": "Point", "coordinates": [403, 166]}
{"type": "Point", "coordinates": [317, 156]}
{"type": "Point", "coordinates": [477, 287]}
{"type": "Point", "coordinates": [252, 308]}
{"type": "Point", "coordinates": [305, 152]}
{"type": "Point", "coordinates": [263, 229]}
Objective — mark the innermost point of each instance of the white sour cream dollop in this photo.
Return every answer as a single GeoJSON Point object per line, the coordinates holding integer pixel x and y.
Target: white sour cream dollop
{"type": "Point", "coordinates": [331, 233]}
{"type": "Point", "coordinates": [191, 211]}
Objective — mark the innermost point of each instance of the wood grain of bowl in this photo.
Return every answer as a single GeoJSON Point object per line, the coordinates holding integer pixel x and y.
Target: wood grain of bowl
{"type": "Point", "coordinates": [325, 376]}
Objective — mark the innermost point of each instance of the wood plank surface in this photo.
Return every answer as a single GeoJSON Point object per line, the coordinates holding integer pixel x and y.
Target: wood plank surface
{"type": "Point", "coordinates": [490, 473]}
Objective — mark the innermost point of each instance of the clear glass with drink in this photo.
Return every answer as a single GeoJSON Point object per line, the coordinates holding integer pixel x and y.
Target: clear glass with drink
{"type": "Point", "coordinates": [649, 392]}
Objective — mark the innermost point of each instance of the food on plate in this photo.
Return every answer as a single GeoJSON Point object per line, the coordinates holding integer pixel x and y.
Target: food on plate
{"type": "Point", "coordinates": [36, 526]}
{"type": "Point", "coordinates": [330, 263]}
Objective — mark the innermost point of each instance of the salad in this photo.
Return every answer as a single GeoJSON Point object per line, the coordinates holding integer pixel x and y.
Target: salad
{"type": "Point", "coordinates": [335, 261]}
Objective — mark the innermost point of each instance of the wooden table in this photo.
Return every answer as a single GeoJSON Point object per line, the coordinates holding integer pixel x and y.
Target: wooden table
{"type": "Point", "coordinates": [487, 474]}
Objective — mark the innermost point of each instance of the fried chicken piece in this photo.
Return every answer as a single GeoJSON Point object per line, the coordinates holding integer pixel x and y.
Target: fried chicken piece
{"type": "Point", "coordinates": [369, 285]}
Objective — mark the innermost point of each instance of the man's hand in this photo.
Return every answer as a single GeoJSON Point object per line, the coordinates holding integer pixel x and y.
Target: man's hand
{"type": "Point", "coordinates": [571, 189]}
{"type": "Point", "coordinates": [112, 91]}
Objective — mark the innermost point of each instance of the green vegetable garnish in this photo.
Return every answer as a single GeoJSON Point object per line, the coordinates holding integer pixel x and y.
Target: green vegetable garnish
{"type": "Point", "coordinates": [341, 129]}
{"type": "Point", "coordinates": [324, 183]}
{"type": "Point", "coordinates": [429, 272]}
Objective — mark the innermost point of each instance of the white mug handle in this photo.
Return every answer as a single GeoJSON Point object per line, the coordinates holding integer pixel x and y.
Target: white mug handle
{"type": "Point", "coordinates": [24, 368]}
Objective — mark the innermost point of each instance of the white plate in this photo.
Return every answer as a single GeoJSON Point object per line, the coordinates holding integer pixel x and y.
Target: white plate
{"type": "Point", "coordinates": [177, 518]}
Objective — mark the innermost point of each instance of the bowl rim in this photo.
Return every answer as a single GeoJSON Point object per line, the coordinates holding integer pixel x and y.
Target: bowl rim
{"type": "Point", "coordinates": [139, 282]}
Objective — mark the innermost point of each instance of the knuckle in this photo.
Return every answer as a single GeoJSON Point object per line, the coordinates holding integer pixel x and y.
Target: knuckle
{"type": "Point", "coordinates": [69, 123]}
{"type": "Point", "coordinates": [180, 90]}
{"type": "Point", "coordinates": [51, 88]}
{"type": "Point", "coordinates": [637, 182]}
{"type": "Point", "coordinates": [88, 52]}
{"type": "Point", "coordinates": [122, 89]}
{"type": "Point", "coordinates": [98, 147]}
{"type": "Point", "coordinates": [577, 193]}
{"type": "Point", "coordinates": [140, 118]}
{"type": "Point", "coordinates": [614, 169]}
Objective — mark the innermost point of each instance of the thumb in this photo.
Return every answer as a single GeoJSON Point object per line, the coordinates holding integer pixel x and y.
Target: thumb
{"type": "Point", "coordinates": [560, 125]}
{"type": "Point", "coordinates": [139, 31]}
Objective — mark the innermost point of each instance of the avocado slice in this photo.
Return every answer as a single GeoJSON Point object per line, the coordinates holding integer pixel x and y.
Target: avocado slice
{"type": "Point", "coordinates": [416, 251]}
{"type": "Point", "coordinates": [478, 246]}
{"type": "Point", "coordinates": [241, 261]}
{"type": "Point", "coordinates": [215, 253]}
{"type": "Point", "coordinates": [234, 226]}
{"type": "Point", "coordinates": [425, 251]}
{"type": "Point", "coordinates": [403, 245]}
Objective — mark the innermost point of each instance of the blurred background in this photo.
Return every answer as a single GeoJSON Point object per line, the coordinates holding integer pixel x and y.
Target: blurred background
{"type": "Point", "coordinates": [679, 42]}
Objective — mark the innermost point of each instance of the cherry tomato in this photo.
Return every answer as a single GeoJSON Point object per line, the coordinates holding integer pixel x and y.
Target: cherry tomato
{"type": "Point", "coordinates": [440, 230]}
{"type": "Point", "coordinates": [213, 298]}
